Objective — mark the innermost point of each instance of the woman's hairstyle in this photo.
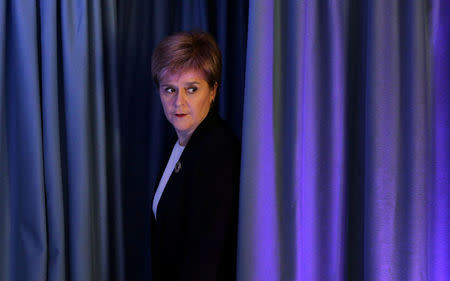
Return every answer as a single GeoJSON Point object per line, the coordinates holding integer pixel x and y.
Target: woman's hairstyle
{"type": "Point", "coordinates": [187, 50]}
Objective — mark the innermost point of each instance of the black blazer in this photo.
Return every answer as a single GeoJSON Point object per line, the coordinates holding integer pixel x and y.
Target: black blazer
{"type": "Point", "coordinates": [194, 236]}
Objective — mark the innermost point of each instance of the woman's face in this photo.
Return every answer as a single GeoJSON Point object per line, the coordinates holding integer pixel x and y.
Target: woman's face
{"type": "Point", "coordinates": [186, 98]}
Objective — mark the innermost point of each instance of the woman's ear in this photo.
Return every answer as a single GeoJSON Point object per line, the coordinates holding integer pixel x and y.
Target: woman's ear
{"type": "Point", "coordinates": [214, 92]}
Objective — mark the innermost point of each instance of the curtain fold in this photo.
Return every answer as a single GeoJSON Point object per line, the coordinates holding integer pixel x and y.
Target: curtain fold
{"type": "Point", "coordinates": [292, 183]}
{"type": "Point", "coordinates": [4, 178]}
{"type": "Point", "coordinates": [61, 192]}
{"type": "Point", "coordinates": [339, 142]}
{"type": "Point", "coordinates": [397, 138]}
{"type": "Point", "coordinates": [27, 234]}
{"type": "Point", "coordinates": [439, 195]}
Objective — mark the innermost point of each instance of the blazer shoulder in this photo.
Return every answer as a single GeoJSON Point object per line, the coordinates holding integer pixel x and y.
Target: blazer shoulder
{"type": "Point", "coordinates": [220, 140]}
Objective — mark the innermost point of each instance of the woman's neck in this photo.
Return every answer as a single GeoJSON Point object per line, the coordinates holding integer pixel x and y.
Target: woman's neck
{"type": "Point", "coordinates": [183, 139]}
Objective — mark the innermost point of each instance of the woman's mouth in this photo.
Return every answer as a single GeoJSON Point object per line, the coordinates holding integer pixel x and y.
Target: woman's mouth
{"type": "Point", "coordinates": [180, 115]}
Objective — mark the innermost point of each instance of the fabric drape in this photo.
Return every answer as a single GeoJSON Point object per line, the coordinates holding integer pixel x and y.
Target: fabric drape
{"type": "Point", "coordinates": [345, 142]}
{"type": "Point", "coordinates": [345, 135]}
{"type": "Point", "coordinates": [439, 193]}
{"type": "Point", "coordinates": [60, 178]}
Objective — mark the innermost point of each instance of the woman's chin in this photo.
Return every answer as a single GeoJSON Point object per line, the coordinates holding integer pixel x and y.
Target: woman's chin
{"type": "Point", "coordinates": [183, 130]}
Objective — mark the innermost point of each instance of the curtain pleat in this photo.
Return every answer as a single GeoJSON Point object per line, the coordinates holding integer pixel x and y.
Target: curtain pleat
{"type": "Point", "coordinates": [54, 160]}
{"type": "Point", "coordinates": [258, 210]}
{"type": "Point", "coordinates": [439, 196]}
{"type": "Point", "coordinates": [5, 218]}
{"type": "Point", "coordinates": [396, 142]}
{"type": "Point", "coordinates": [292, 183]}
{"type": "Point", "coordinates": [27, 228]}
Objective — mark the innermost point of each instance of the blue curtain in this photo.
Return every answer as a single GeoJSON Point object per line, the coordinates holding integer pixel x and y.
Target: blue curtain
{"type": "Point", "coordinates": [439, 191]}
{"type": "Point", "coordinates": [60, 151]}
{"type": "Point", "coordinates": [344, 123]}
{"type": "Point", "coordinates": [345, 165]}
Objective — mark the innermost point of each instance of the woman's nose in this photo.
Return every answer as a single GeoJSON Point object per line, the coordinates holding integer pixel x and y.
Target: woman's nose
{"type": "Point", "coordinates": [181, 97]}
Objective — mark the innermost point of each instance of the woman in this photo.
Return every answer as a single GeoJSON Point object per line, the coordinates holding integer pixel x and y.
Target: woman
{"type": "Point", "coordinates": [194, 222]}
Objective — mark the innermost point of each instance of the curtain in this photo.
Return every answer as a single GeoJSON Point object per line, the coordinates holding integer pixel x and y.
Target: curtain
{"type": "Point", "coordinates": [439, 202]}
{"type": "Point", "coordinates": [345, 172]}
{"type": "Point", "coordinates": [59, 142]}
{"type": "Point", "coordinates": [344, 122]}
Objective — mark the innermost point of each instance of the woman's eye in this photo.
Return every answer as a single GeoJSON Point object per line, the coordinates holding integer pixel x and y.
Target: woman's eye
{"type": "Point", "coordinates": [192, 90]}
{"type": "Point", "coordinates": [169, 90]}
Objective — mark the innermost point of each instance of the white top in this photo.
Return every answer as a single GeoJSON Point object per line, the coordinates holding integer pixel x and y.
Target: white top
{"type": "Point", "coordinates": [173, 160]}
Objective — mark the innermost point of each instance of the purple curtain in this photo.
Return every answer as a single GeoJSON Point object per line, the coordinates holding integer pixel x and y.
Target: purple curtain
{"type": "Point", "coordinates": [345, 165]}
{"type": "Point", "coordinates": [439, 194]}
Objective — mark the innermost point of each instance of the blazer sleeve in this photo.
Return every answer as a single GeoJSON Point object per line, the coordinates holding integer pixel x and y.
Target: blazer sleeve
{"type": "Point", "coordinates": [212, 216]}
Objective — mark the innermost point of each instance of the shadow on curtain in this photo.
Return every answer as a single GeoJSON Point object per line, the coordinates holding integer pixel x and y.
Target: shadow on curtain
{"type": "Point", "coordinates": [345, 142]}
{"type": "Point", "coordinates": [59, 142]}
